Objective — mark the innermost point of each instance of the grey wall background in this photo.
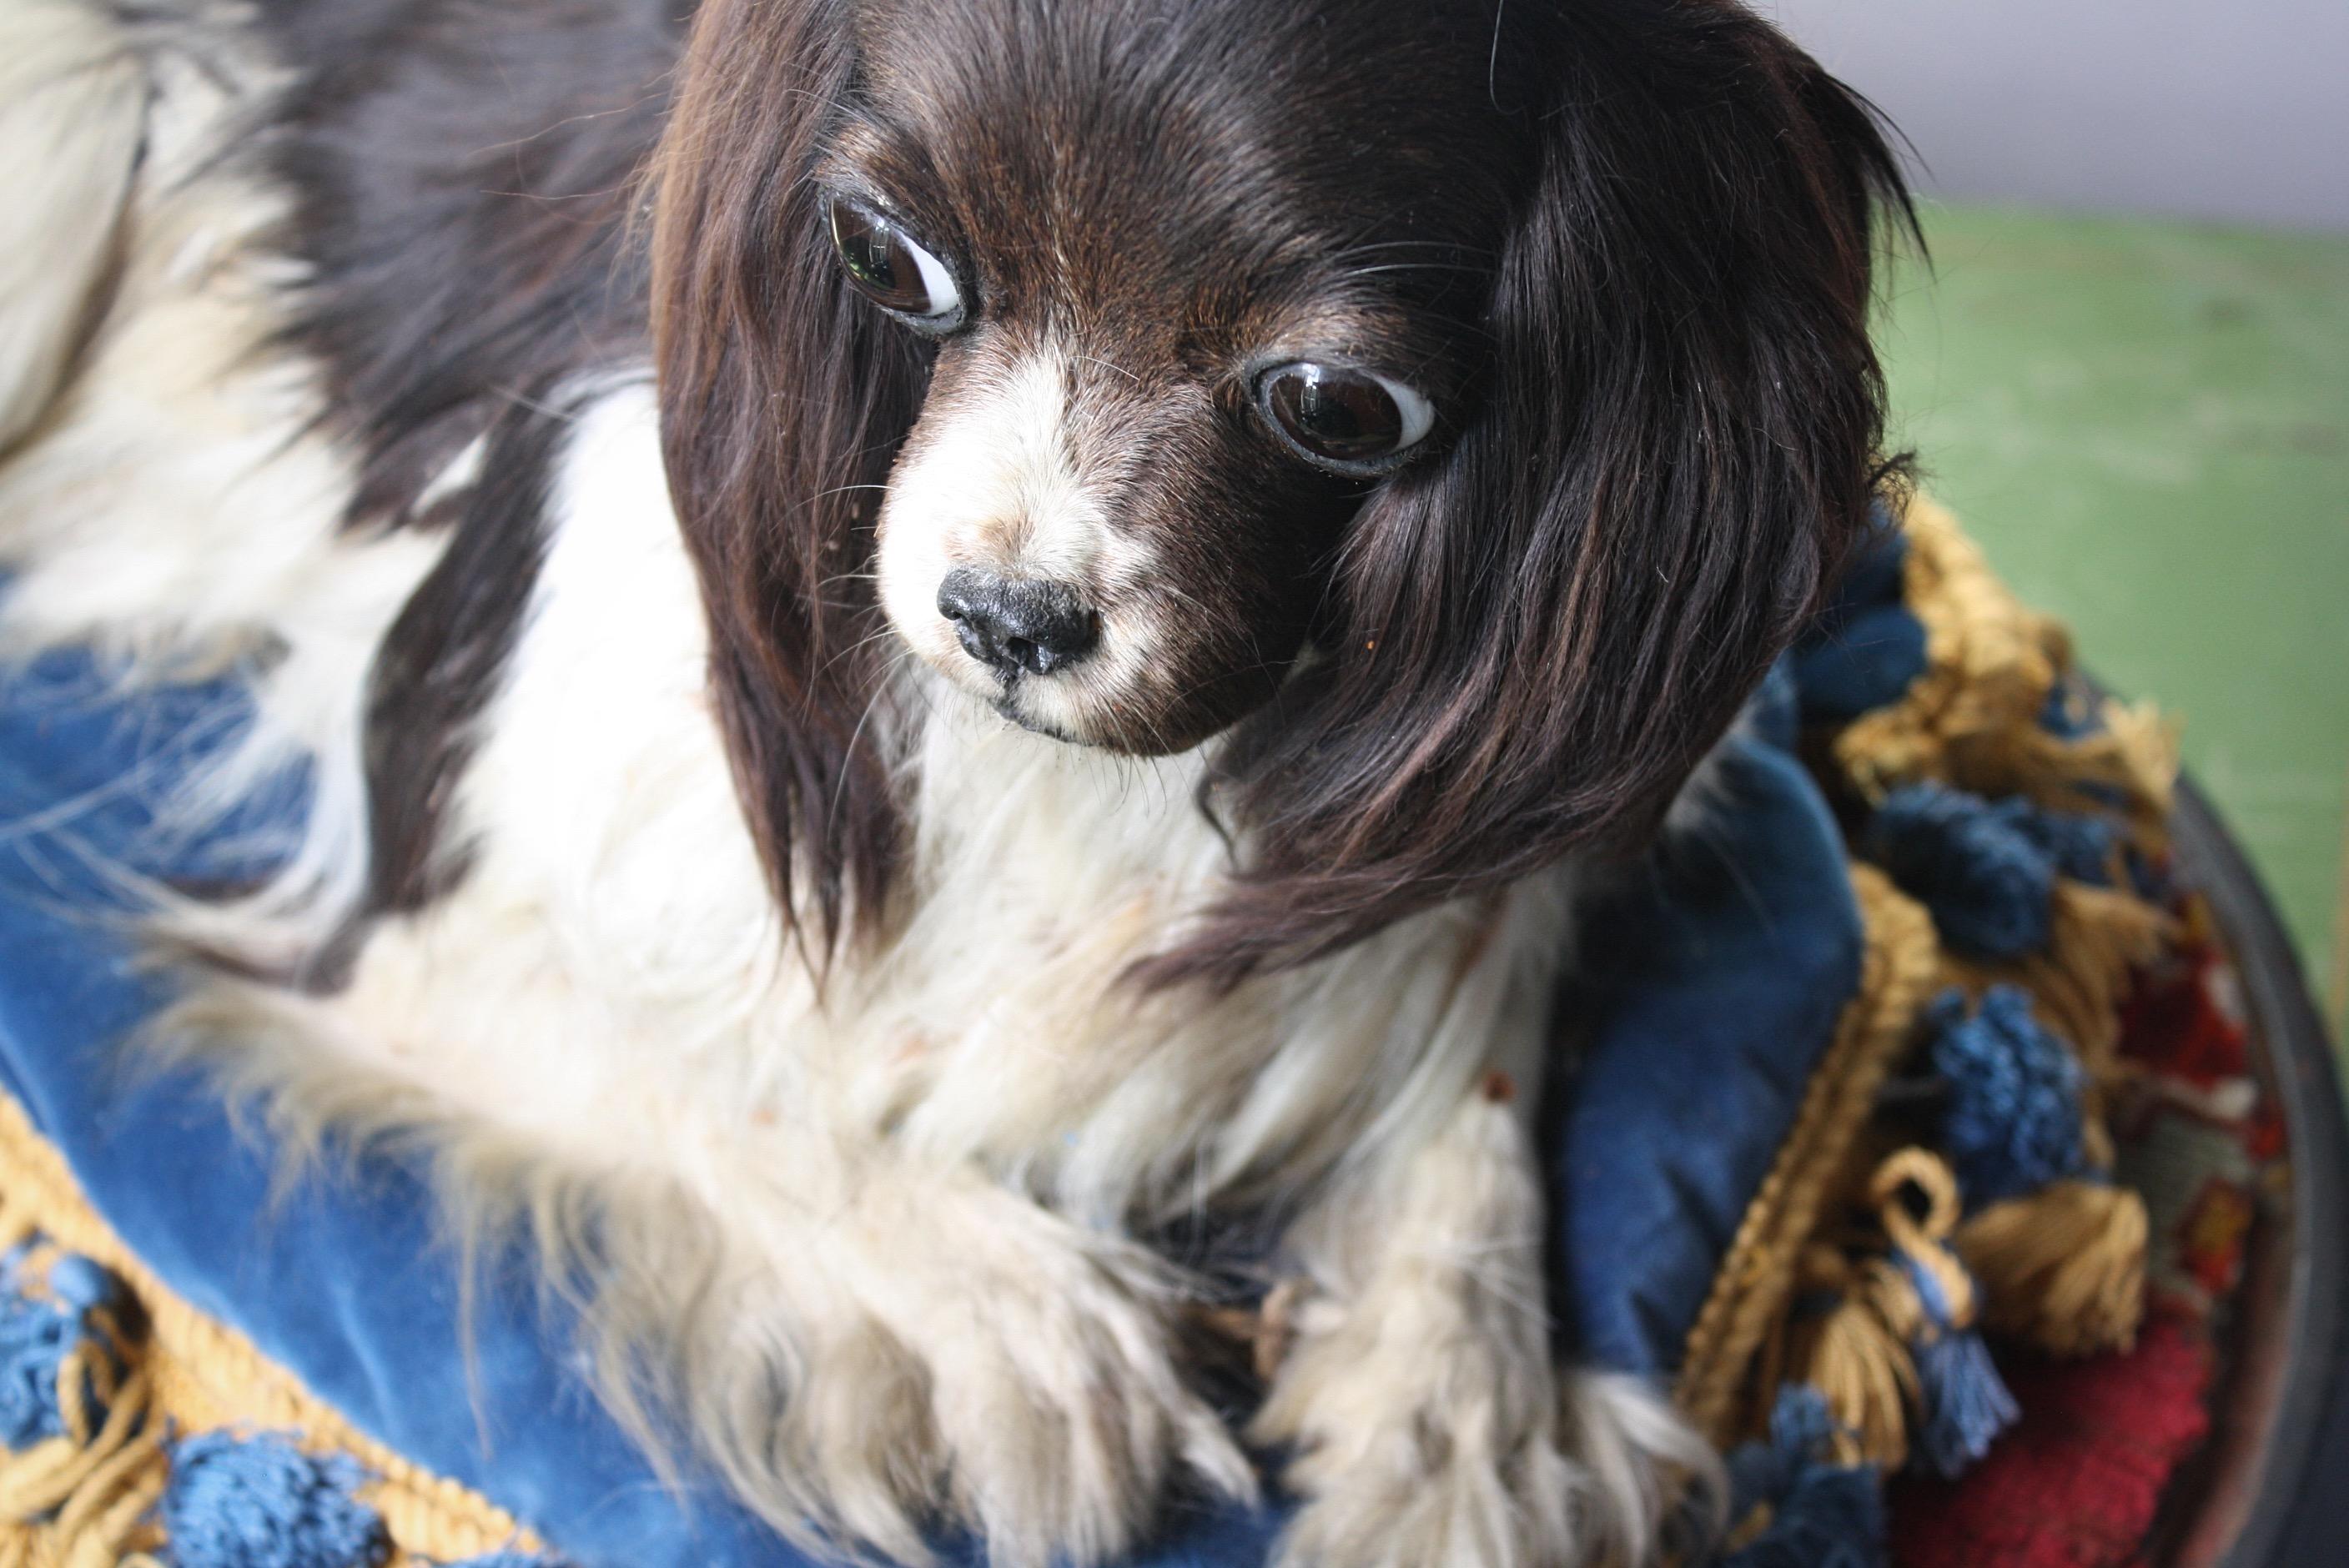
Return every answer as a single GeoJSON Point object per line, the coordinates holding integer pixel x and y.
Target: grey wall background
{"type": "Point", "coordinates": [2235, 110]}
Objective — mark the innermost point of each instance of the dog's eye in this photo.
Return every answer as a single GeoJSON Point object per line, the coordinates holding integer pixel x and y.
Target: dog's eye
{"type": "Point", "coordinates": [1343, 418]}
{"type": "Point", "coordinates": [891, 270]}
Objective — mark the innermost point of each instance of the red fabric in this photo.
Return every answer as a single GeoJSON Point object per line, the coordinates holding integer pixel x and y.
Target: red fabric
{"type": "Point", "coordinates": [2079, 1479]}
{"type": "Point", "coordinates": [2172, 1024]}
{"type": "Point", "coordinates": [2263, 1138]}
{"type": "Point", "coordinates": [2076, 1481]}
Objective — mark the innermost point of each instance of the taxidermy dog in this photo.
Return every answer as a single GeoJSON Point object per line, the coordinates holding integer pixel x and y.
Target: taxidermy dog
{"type": "Point", "coordinates": [934, 642]}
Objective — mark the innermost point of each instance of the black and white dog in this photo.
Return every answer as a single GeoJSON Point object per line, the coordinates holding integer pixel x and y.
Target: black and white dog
{"type": "Point", "coordinates": [938, 637]}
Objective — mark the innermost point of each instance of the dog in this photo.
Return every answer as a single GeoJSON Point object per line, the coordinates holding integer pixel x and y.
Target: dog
{"type": "Point", "coordinates": [935, 642]}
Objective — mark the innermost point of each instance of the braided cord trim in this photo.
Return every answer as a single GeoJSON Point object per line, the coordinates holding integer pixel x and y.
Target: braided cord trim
{"type": "Point", "coordinates": [196, 1375]}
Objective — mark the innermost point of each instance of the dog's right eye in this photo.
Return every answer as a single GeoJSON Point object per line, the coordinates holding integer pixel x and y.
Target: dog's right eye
{"type": "Point", "coordinates": [1349, 421]}
{"type": "Point", "coordinates": [891, 270]}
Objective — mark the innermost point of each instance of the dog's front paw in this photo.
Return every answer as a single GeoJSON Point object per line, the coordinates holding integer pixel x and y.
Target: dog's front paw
{"type": "Point", "coordinates": [1435, 1456]}
{"type": "Point", "coordinates": [1452, 1451]}
{"type": "Point", "coordinates": [1060, 1416]}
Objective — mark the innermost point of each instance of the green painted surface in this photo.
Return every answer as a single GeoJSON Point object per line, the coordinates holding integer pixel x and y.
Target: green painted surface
{"type": "Point", "coordinates": [2148, 427]}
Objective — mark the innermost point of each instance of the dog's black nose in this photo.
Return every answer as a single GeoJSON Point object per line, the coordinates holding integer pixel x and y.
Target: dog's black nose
{"type": "Point", "coordinates": [1011, 624]}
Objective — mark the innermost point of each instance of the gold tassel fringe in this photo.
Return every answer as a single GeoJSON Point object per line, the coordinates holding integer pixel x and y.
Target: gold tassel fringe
{"type": "Point", "coordinates": [1851, 1356]}
{"type": "Point", "coordinates": [1971, 719]}
{"type": "Point", "coordinates": [85, 1500]}
{"type": "Point", "coordinates": [2062, 1268]}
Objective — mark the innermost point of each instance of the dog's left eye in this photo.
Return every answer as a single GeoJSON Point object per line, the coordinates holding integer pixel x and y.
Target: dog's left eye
{"type": "Point", "coordinates": [891, 270]}
{"type": "Point", "coordinates": [1347, 420]}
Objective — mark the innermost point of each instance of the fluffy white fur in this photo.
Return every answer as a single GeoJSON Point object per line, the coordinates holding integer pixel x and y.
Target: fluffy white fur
{"type": "Point", "coordinates": [70, 116]}
{"type": "Point", "coordinates": [875, 1244]}
{"type": "Point", "coordinates": [169, 504]}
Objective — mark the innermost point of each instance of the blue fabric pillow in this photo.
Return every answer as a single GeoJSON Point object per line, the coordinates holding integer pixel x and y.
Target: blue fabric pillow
{"type": "Point", "coordinates": [1866, 648]}
{"type": "Point", "coordinates": [1716, 983]}
{"type": "Point", "coordinates": [1712, 994]}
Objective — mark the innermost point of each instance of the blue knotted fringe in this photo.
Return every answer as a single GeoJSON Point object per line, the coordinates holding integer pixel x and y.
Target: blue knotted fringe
{"type": "Point", "coordinates": [2012, 1124]}
{"type": "Point", "coordinates": [39, 1330]}
{"type": "Point", "coordinates": [35, 1338]}
{"type": "Point", "coordinates": [1987, 869]}
{"type": "Point", "coordinates": [1991, 888]}
{"type": "Point", "coordinates": [1821, 1514]}
{"type": "Point", "coordinates": [261, 1502]}
{"type": "Point", "coordinates": [2083, 848]}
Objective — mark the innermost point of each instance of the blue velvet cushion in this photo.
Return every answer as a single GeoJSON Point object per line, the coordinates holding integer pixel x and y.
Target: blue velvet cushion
{"type": "Point", "coordinates": [1712, 995]}
{"type": "Point", "coordinates": [1716, 983]}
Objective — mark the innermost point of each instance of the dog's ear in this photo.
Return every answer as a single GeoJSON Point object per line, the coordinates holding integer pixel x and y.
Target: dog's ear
{"type": "Point", "coordinates": [782, 407]}
{"type": "Point", "coordinates": [1539, 633]}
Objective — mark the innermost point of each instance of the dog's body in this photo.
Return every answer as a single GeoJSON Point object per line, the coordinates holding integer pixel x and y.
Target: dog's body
{"type": "Point", "coordinates": [842, 1044]}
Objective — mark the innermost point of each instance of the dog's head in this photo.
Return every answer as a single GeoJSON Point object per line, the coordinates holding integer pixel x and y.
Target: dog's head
{"type": "Point", "coordinates": [1453, 406]}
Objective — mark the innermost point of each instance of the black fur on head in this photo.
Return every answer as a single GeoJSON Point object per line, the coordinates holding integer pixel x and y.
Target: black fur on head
{"type": "Point", "coordinates": [1633, 245]}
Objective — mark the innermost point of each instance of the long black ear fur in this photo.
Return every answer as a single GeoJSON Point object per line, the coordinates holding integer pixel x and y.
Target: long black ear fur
{"type": "Point", "coordinates": [1538, 636]}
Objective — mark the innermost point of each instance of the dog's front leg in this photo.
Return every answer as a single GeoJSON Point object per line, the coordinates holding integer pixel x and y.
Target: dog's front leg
{"type": "Point", "coordinates": [1041, 1399]}
{"type": "Point", "coordinates": [1429, 1425]}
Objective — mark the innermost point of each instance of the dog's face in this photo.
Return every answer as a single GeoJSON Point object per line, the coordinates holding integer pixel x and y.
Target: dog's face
{"type": "Point", "coordinates": [1110, 355]}
{"type": "Point", "coordinates": [1198, 280]}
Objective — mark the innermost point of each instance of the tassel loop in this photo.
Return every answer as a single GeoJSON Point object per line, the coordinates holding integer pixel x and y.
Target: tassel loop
{"type": "Point", "coordinates": [1963, 1402]}
{"type": "Point", "coordinates": [1915, 1196]}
